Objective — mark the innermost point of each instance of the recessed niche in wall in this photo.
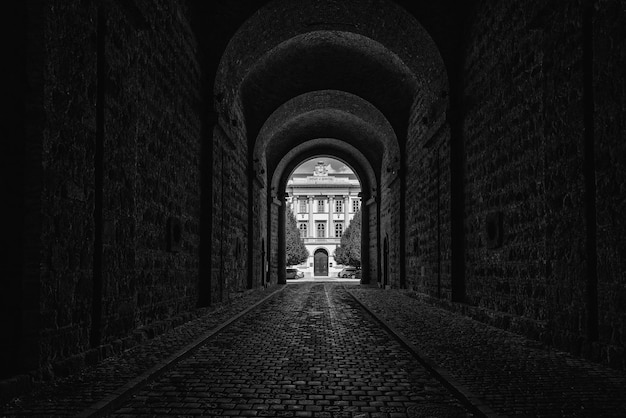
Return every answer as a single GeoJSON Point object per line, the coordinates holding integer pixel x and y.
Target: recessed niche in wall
{"type": "Point", "coordinates": [174, 234]}
{"type": "Point", "coordinates": [494, 233]}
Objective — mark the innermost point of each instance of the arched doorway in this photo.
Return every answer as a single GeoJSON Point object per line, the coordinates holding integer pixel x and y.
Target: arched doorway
{"type": "Point", "coordinates": [320, 262]}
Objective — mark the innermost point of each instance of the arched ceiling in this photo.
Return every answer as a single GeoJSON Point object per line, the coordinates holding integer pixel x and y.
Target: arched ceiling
{"type": "Point", "coordinates": [326, 113]}
{"type": "Point", "coordinates": [330, 60]}
{"type": "Point", "coordinates": [284, 69]}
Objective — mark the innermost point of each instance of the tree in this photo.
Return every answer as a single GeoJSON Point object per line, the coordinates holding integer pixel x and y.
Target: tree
{"type": "Point", "coordinates": [349, 250]}
{"type": "Point", "coordinates": [296, 251]}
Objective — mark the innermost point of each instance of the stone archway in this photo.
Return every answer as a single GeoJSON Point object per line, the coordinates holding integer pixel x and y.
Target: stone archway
{"type": "Point", "coordinates": [348, 79]}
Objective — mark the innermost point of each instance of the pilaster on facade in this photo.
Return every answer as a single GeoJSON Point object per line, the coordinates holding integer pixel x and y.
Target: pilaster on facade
{"type": "Point", "coordinates": [329, 199]}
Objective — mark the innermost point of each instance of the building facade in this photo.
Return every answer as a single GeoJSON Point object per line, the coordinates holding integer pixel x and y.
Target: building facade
{"type": "Point", "coordinates": [323, 204]}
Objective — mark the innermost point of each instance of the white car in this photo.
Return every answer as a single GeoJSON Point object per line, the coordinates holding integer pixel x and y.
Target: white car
{"type": "Point", "coordinates": [348, 272]}
{"type": "Point", "coordinates": [294, 274]}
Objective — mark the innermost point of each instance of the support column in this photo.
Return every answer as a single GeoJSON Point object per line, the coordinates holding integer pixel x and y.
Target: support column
{"type": "Point", "coordinates": [311, 220]}
{"type": "Point", "coordinates": [331, 224]}
{"type": "Point", "coordinates": [346, 211]}
{"type": "Point", "coordinates": [282, 255]}
{"type": "Point", "coordinates": [589, 171]}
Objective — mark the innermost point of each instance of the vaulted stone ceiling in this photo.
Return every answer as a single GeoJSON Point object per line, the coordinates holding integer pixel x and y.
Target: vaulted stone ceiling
{"type": "Point", "coordinates": [298, 71]}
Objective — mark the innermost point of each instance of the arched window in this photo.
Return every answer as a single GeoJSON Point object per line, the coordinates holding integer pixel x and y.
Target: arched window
{"type": "Point", "coordinates": [303, 229]}
{"type": "Point", "coordinates": [321, 230]}
{"type": "Point", "coordinates": [338, 229]}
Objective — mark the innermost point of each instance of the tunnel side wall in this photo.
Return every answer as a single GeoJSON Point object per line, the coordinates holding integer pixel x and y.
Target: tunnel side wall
{"type": "Point", "coordinates": [609, 84]}
{"type": "Point", "coordinates": [508, 178]}
{"type": "Point", "coordinates": [428, 196]}
{"type": "Point", "coordinates": [527, 190]}
{"type": "Point", "coordinates": [147, 217]}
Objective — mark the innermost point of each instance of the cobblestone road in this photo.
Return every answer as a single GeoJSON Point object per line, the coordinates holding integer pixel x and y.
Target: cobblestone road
{"type": "Point", "coordinates": [511, 374]}
{"type": "Point", "coordinates": [311, 351]}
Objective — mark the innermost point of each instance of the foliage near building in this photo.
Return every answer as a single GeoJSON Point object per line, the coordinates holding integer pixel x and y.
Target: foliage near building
{"type": "Point", "coordinates": [349, 250]}
{"type": "Point", "coordinates": [296, 251]}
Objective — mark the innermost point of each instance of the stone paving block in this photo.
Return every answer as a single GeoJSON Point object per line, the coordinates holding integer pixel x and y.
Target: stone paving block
{"type": "Point", "coordinates": [512, 375]}
{"type": "Point", "coordinates": [324, 367]}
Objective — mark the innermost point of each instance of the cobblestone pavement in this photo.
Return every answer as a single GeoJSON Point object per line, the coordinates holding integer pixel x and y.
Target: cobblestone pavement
{"type": "Point", "coordinates": [311, 351]}
{"type": "Point", "coordinates": [511, 374]}
{"type": "Point", "coordinates": [71, 395]}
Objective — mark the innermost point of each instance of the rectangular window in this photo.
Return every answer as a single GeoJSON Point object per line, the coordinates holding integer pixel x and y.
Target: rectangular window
{"type": "Point", "coordinates": [338, 229]}
{"type": "Point", "coordinates": [321, 230]}
{"type": "Point", "coordinates": [303, 229]}
{"type": "Point", "coordinates": [356, 204]}
{"type": "Point", "coordinates": [320, 206]}
{"type": "Point", "coordinates": [302, 206]}
{"type": "Point", "coordinates": [338, 206]}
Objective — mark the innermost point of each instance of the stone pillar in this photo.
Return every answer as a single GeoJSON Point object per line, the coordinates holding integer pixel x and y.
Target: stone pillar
{"type": "Point", "coordinates": [331, 232]}
{"type": "Point", "coordinates": [346, 211]}
{"type": "Point", "coordinates": [282, 256]}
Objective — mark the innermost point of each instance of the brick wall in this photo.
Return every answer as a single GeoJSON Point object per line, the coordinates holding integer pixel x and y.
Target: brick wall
{"type": "Point", "coordinates": [230, 217]}
{"type": "Point", "coordinates": [390, 223]}
{"type": "Point", "coordinates": [505, 152]}
{"type": "Point", "coordinates": [149, 130]}
{"type": "Point", "coordinates": [428, 197]}
{"type": "Point", "coordinates": [68, 136]}
{"type": "Point", "coordinates": [609, 57]}
{"type": "Point", "coordinates": [528, 189]}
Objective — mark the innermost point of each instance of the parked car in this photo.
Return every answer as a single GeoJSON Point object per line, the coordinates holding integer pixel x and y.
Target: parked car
{"type": "Point", "coordinates": [348, 272]}
{"type": "Point", "coordinates": [294, 274]}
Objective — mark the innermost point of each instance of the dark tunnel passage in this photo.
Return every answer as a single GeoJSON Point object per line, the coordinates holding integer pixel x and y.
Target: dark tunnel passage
{"type": "Point", "coordinates": [149, 146]}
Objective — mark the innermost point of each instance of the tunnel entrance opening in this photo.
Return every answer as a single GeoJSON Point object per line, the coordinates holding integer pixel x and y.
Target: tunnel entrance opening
{"type": "Point", "coordinates": [346, 88]}
{"type": "Point", "coordinates": [323, 198]}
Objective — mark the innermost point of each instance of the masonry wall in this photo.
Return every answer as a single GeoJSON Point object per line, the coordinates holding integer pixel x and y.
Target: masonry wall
{"type": "Point", "coordinates": [115, 129]}
{"type": "Point", "coordinates": [237, 211]}
{"type": "Point", "coordinates": [505, 143]}
{"type": "Point", "coordinates": [609, 94]}
{"type": "Point", "coordinates": [428, 197]}
{"type": "Point", "coordinates": [390, 225]}
{"type": "Point", "coordinates": [66, 130]}
{"type": "Point", "coordinates": [229, 217]}
{"type": "Point", "coordinates": [529, 186]}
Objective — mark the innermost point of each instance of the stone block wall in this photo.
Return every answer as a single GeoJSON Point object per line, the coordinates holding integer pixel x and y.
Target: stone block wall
{"type": "Point", "coordinates": [504, 137]}
{"type": "Point", "coordinates": [229, 218]}
{"type": "Point", "coordinates": [390, 224]}
{"type": "Point", "coordinates": [115, 129]}
{"type": "Point", "coordinates": [67, 135]}
{"type": "Point", "coordinates": [151, 150]}
{"type": "Point", "coordinates": [428, 197]}
{"type": "Point", "coordinates": [609, 93]}
{"type": "Point", "coordinates": [373, 250]}
{"type": "Point", "coordinates": [531, 192]}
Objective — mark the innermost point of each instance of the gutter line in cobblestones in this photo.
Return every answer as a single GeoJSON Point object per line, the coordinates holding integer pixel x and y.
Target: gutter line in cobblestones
{"type": "Point", "coordinates": [465, 395]}
{"type": "Point", "coordinates": [117, 398]}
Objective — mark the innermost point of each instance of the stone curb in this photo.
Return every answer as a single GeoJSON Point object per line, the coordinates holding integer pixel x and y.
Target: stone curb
{"type": "Point", "coordinates": [117, 398]}
{"type": "Point", "coordinates": [465, 395]}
